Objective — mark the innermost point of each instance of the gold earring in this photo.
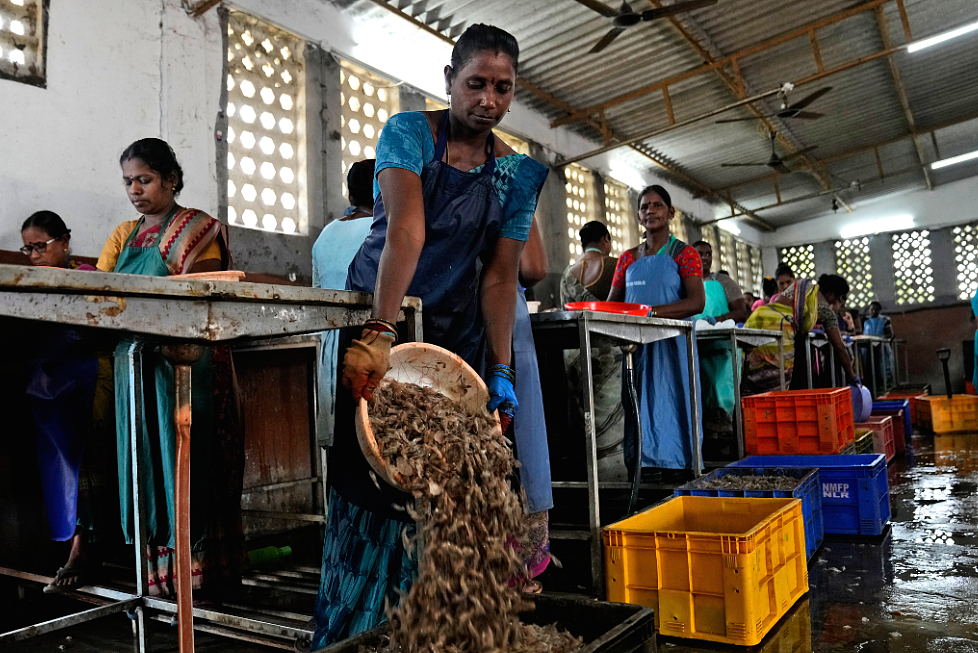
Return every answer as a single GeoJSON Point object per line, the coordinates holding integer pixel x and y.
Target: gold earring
{"type": "Point", "coordinates": [509, 111]}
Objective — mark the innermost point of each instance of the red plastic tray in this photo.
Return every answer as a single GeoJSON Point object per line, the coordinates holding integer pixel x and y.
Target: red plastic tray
{"type": "Point", "coordinates": [622, 308]}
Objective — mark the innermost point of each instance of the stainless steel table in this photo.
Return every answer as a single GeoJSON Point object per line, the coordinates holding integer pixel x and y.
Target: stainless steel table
{"type": "Point", "coordinates": [871, 344]}
{"type": "Point", "coordinates": [184, 316]}
{"type": "Point", "coordinates": [742, 338]}
{"type": "Point", "coordinates": [595, 328]}
{"type": "Point", "coordinates": [818, 341]}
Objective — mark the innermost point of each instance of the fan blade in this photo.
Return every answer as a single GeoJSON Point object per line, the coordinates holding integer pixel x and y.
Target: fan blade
{"type": "Point", "coordinates": [726, 120]}
{"type": "Point", "coordinates": [805, 115]}
{"type": "Point", "coordinates": [678, 8]}
{"type": "Point", "coordinates": [808, 99]}
{"type": "Point", "coordinates": [799, 153]}
{"type": "Point", "coordinates": [600, 7]}
{"type": "Point", "coordinates": [782, 168]}
{"type": "Point", "coordinates": [741, 165]}
{"type": "Point", "coordinates": [606, 40]}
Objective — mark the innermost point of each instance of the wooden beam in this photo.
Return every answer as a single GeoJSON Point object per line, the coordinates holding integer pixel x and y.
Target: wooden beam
{"type": "Point", "coordinates": [816, 51]}
{"type": "Point", "coordinates": [754, 49]}
{"type": "Point", "coordinates": [879, 162]}
{"type": "Point", "coordinates": [884, 27]}
{"type": "Point", "coordinates": [905, 20]}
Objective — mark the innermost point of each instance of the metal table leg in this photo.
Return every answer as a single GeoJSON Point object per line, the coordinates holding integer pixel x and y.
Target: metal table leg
{"type": "Point", "coordinates": [811, 350]}
{"type": "Point", "coordinates": [832, 365]}
{"type": "Point", "coordinates": [591, 455]}
{"type": "Point", "coordinates": [738, 409]}
{"type": "Point", "coordinates": [694, 404]}
{"type": "Point", "coordinates": [784, 385]}
{"type": "Point", "coordinates": [182, 357]}
{"type": "Point", "coordinates": [872, 369]}
{"type": "Point", "coordinates": [140, 632]}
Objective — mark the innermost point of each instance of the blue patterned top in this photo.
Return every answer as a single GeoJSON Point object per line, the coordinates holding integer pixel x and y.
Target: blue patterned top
{"type": "Point", "coordinates": [406, 143]}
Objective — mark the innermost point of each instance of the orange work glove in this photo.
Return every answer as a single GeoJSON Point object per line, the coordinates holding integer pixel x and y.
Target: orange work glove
{"type": "Point", "coordinates": [366, 362]}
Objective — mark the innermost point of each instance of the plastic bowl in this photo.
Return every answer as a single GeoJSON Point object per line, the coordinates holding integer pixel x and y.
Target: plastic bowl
{"type": "Point", "coordinates": [622, 308]}
{"type": "Point", "coordinates": [428, 366]}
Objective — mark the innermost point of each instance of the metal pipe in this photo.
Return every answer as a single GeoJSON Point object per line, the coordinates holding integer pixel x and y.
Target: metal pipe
{"type": "Point", "coordinates": [64, 622]}
{"type": "Point", "coordinates": [185, 616]}
{"type": "Point", "coordinates": [591, 456]}
{"type": "Point", "coordinates": [694, 405]}
{"type": "Point", "coordinates": [628, 360]}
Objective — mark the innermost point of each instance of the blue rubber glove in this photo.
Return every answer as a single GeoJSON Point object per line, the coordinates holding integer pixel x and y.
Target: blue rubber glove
{"type": "Point", "coordinates": [709, 319]}
{"type": "Point", "coordinates": [502, 394]}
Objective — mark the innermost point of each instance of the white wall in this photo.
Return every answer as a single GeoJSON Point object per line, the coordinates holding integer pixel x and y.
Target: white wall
{"type": "Point", "coordinates": [106, 87]}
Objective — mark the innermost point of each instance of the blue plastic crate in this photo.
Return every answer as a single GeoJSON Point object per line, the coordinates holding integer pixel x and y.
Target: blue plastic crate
{"type": "Point", "coordinates": [807, 489]}
{"type": "Point", "coordinates": [855, 492]}
{"type": "Point", "coordinates": [897, 404]}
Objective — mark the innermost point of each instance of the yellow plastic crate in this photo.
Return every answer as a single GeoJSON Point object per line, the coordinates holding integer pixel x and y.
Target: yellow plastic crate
{"type": "Point", "coordinates": [959, 414]}
{"type": "Point", "coordinates": [718, 569]}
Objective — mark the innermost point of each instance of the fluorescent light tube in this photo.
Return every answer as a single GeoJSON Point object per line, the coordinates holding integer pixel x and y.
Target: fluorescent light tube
{"type": "Point", "coordinates": [729, 226]}
{"type": "Point", "coordinates": [943, 163]}
{"type": "Point", "coordinates": [896, 223]}
{"type": "Point", "coordinates": [940, 38]}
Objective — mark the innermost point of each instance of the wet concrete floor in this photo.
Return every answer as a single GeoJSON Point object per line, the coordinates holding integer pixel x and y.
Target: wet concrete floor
{"type": "Point", "coordinates": [915, 588]}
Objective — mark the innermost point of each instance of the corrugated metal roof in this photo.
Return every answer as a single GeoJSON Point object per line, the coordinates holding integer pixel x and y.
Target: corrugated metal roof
{"type": "Point", "coordinates": [862, 110]}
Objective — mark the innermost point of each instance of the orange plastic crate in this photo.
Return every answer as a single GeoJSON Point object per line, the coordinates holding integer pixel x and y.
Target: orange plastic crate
{"type": "Point", "coordinates": [798, 422]}
{"type": "Point", "coordinates": [883, 438]}
{"type": "Point", "coordinates": [912, 396]}
{"type": "Point", "coordinates": [959, 414]}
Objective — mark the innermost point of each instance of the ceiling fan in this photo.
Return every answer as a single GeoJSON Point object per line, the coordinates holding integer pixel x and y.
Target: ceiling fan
{"type": "Point", "coordinates": [790, 110]}
{"type": "Point", "coordinates": [775, 162]}
{"type": "Point", "coordinates": [625, 17]}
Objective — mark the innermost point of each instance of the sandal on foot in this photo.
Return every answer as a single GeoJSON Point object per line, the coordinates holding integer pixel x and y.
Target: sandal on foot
{"type": "Point", "coordinates": [532, 587]}
{"type": "Point", "coordinates": [64, 573]}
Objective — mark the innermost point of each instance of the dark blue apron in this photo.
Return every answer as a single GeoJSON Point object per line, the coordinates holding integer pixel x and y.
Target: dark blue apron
{"type": "Point", "coordinates": [462, 220]}
{"type": "Point", "coordinates": [661, 371]}
{"type": "Point", "coordinates": [462, 217]}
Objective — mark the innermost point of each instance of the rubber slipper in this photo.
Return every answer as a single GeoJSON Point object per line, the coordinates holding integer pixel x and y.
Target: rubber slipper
{"type": "Point", "coordinates": [532, 587]}
{"type": "Point", "coordinates": [63, 573]}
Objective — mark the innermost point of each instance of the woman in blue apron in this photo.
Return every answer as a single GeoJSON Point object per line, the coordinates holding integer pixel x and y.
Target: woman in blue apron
{"type": "Point", "coordinates": [665, 273]}
{"type": "Point", "coordinates": [453, 208]}
{"type": "Point", "coordinates": [69, 394]}
{"type": "Point", "coordinates": [170, 240]}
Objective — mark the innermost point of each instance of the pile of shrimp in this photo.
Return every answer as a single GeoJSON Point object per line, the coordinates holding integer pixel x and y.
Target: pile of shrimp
{"type": "Point", "coordinates": [469, 519]}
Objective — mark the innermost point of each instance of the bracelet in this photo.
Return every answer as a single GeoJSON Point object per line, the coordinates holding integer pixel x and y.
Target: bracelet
{"type": "Point", "coordinates": [504, 372]}
{"type": "Point", "coordinates": [652, 313]}
{"type": "Point", "coordinates": [381, 326]}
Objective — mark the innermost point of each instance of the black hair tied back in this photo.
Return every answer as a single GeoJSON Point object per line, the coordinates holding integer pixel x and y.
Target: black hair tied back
{"type": "Point", "coordinates": [157, 155]}
{"type": "Point", "coordinates": [47, 221]}
{"type": "Point", "coordinates": [481, 38]}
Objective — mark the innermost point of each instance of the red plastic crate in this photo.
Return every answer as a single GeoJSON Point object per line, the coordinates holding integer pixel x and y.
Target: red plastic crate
{"type": "Point", "coordinates": [798, 422]}
{"type": "Point", "coordinates": [883, 440]}
{"type": "Point", "coordinates": [911, 395]}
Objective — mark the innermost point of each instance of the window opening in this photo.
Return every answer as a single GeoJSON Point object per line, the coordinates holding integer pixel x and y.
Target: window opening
{"type": "Point", "coordinates": [265, 83]}
{"type": "Point", "coordinates": [757, 271]}
{"type": "Point", "coordinates": [618, 215]}
{"type": "Point", "coordinates": [745, 277]}
{"type": "Point", "coordinates": [801, 258]}
{"type": "Point", "coordinates": [23, 46]}
{"type": "Point", "coordinates": [912, 270]}
{"type": "Point", "coordinates": [852, 262]}
{"type": "Point", "coordinates": [368, 103]}
{"type": "Point", "coordinates": [966, 259]}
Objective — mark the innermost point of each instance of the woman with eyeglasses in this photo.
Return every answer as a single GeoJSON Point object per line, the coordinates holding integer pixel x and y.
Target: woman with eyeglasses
{"type": "Point", "coordinates": [46, 241]}
{"type": "Point", "coordinates": [69, 399]}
